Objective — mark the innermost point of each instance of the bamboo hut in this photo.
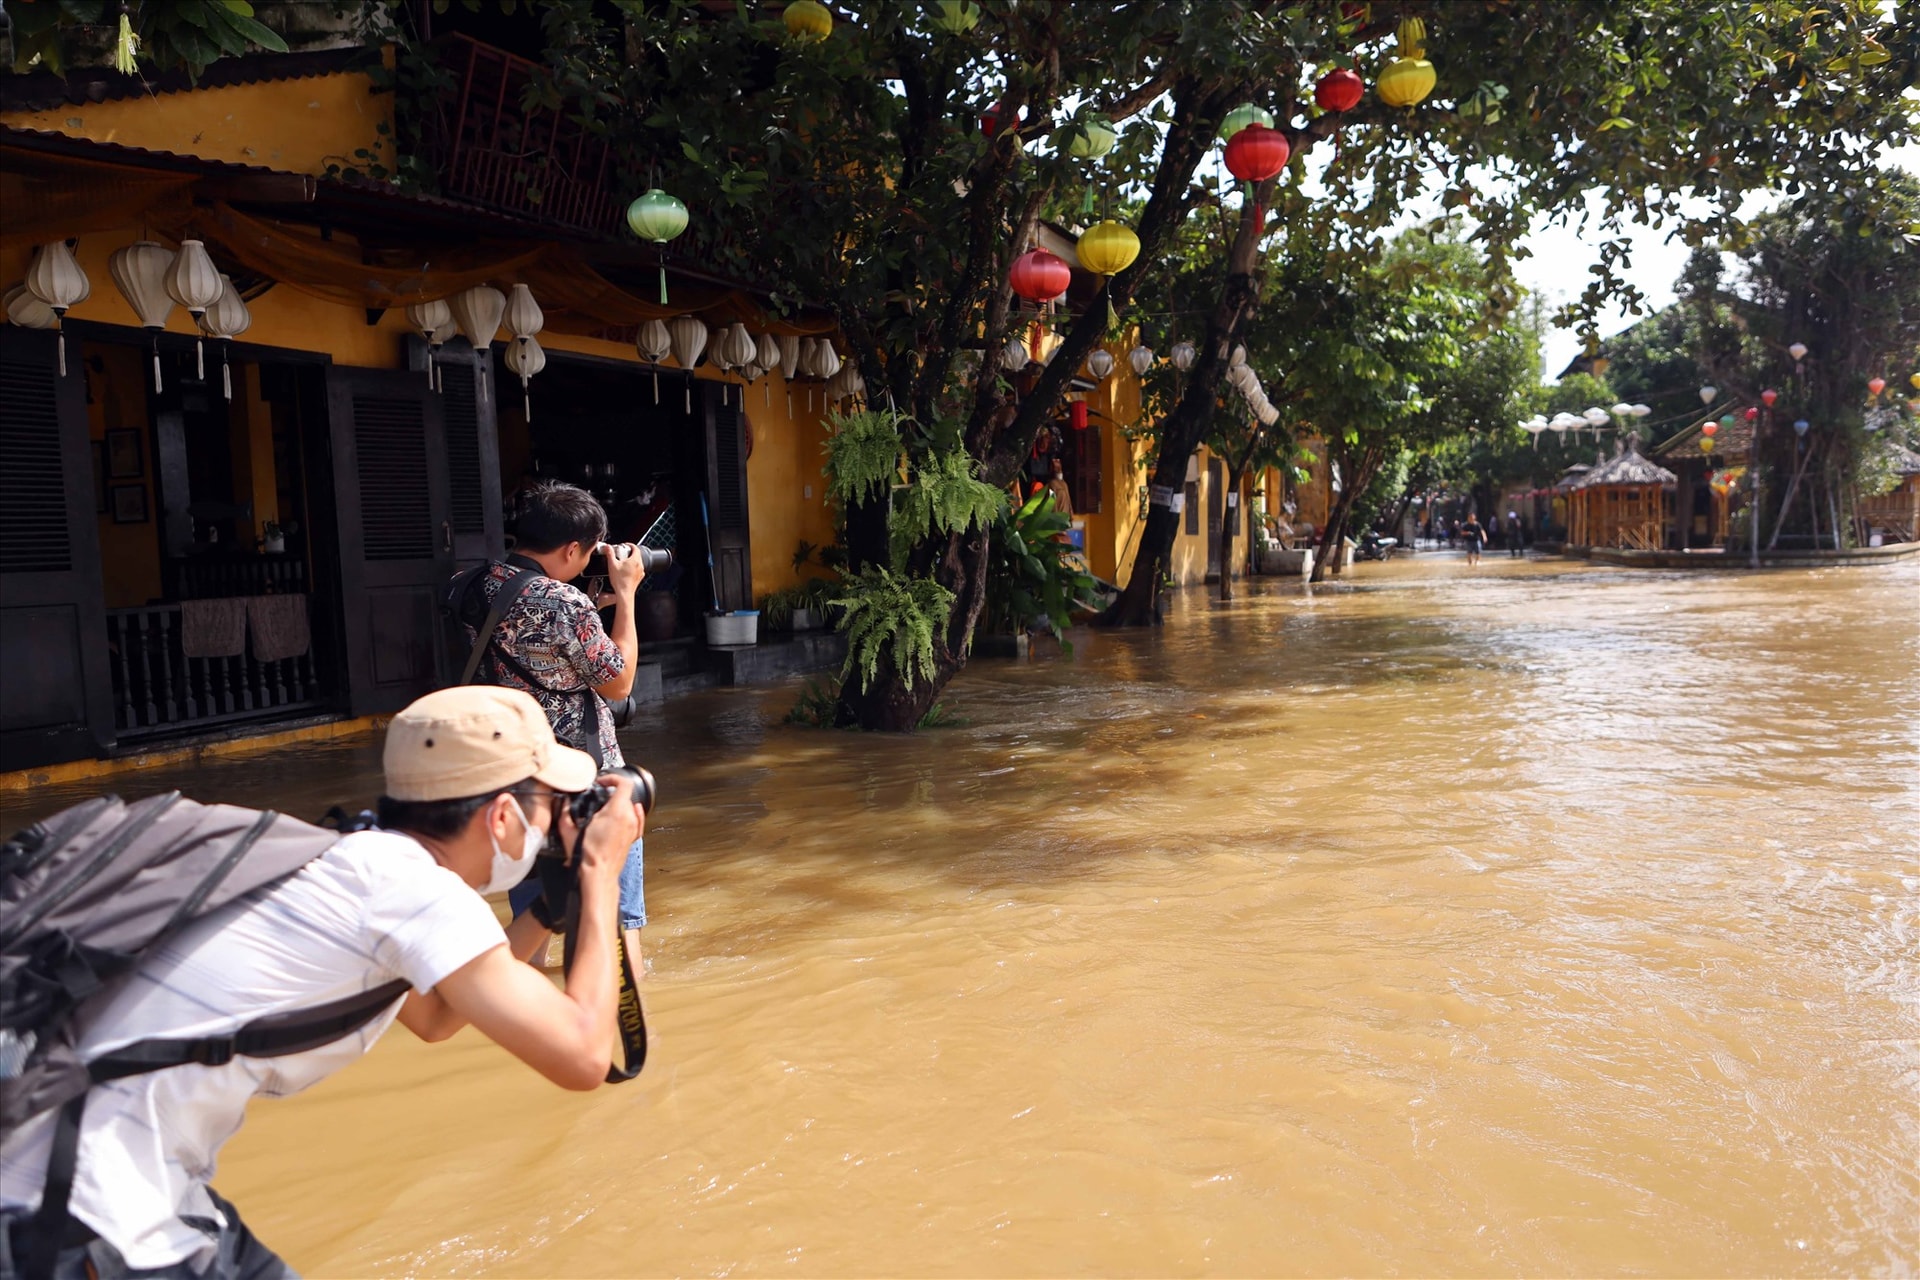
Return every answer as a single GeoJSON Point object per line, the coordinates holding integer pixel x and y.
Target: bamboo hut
{"type": "Point", "coordinates": [1896, 515]}
{"type": "Point", "coordinates": [1625, 501]}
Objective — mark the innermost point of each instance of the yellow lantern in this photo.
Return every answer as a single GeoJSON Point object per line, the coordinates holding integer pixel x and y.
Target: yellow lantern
{"type": "Point", "coordinates": [1408, 78]}
{"type": "Point", "coordinates": [808, 21]}
{"type": "Point", "coordinates": [1108, 248]}
{"type": "Point", "coordinates": [1915, 381]}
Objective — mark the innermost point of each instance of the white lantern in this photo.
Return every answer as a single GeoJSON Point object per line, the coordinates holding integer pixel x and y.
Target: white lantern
{"type": "Point", "coordinates": [1621, 410]}
{"type": "Point", "coordinates": [1183, 356]}
{"type": "Point", "coordinates": [1014, 356]}
{"type": "Point", "coordinates": [1707, 394]}
{"type": "Point", "coordinates": [689, 337]}
{"type": "Point", "coordinates": [477, 311]}
{"type": "Point", "coordinates": [522, 315]}
{"type": "Point", "coordinates": [1269, 415]}
{"type": "Point", "coordinates": [766, 358]}
{"type": "Point", "coordinates": [653, 342]}
{"type": "Point", "coordinates": [826, 361]}
{"type": "Point", "coordinates": [26, 310]}
{"type": "Point", "coordinates": [741, 349]}
{"type": "Point", "coordinates": [525, 357]}
{"type": "Point", "coordinates": [1798, 351]}
{"type": "Point", "coordinates": [56, 279]}
{"type": "Point", "coordinates": [224, 321]}
{"type": "Point", "coordinates": [139, 271]}
{"type": "Point", "coordinates": [1640, 410]}
{"type": "Point", "coordinates": [433, 321]}
{"type": "Point", "coordinates": [1141, 358]}
{"type": "Point", "coordinates": [1239, 357]}
{"type": "Point", "coordinates": [790, 355]}
{"type": "Point", "coordinates": [194, 282]}
{"type": "Point", "coordinates": [846, 384]}
{"type": "Point", "coordinates": [1099, 363]}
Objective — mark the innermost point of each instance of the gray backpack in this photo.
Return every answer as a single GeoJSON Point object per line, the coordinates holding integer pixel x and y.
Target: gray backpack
{"type": "Point", "coordinates": [84, 896]}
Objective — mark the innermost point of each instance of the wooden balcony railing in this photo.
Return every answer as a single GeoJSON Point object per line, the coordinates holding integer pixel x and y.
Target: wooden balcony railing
{"type": "Point", "coordinates": [159, 690]}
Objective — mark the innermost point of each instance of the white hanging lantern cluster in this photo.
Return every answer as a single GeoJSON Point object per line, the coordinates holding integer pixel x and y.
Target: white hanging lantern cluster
{"type": "Point", "coordinates": [524, 320]}
{"type": "Point", "coordinates": [1141, 359]}
{"type": "Point", "coordinates": [139, 271]}
{"type": "Point", "coordinates": [54, 278]}
{"type": "Point", "coordinates": [224, 321]}
{"type": "Point", "coordinates": [476, 313]}
{"type": "Point", "coordinates": [1242, 378]}
{"type": "Point", "coordinates": [433, 321]}
{"type": "Point", "coordinates": [1534, 426]}
{"type": "Point", "coordinates": [1561, 423]}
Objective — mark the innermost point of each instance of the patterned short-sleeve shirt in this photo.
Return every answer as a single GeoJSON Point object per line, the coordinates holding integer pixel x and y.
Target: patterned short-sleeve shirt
{"type": "Point", "coordinates": [554, 632]}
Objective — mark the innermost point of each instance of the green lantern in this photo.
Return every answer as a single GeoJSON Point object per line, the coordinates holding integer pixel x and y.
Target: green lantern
{"type": "Point", "coordinates": [956, 17]}
{"type": "Point", "coordinates": [1091, 138]}
{"type": "Point", "coordinates": [1242, 116]}
{"type": "Point", "coordinates": [658, 217]}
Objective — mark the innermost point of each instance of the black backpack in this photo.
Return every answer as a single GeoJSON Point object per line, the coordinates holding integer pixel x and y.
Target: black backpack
{"type": "Point", "coordinates": [84, 896]}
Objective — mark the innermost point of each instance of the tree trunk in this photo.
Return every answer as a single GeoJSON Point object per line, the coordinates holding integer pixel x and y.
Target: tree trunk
{"type": "Point", "coordinates": [1333, 537]}
{"type": "Point", "coordinates": [890, 704]}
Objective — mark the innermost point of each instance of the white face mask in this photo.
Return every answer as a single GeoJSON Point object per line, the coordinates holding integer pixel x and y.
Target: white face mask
{"type": "Point", "coordinates": [509, 871]}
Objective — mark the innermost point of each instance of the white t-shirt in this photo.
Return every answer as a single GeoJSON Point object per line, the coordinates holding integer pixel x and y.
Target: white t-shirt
{"type": "Point", "coordinates": [373, 908]}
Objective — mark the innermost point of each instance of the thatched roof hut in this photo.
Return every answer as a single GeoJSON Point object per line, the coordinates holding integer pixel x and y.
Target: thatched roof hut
{"type": "Point", "coordinates": [1622, 501]}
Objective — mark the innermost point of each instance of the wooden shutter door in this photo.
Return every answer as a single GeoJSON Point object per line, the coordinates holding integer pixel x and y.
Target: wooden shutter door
{"type": "Point", "coordinates": [727, 498]}
{"type": "Point", "coordinates": [473, 458]}
{"type": "Point", "coordinates": [396, 533]}
{"type": "Point", "coordinates": [56, 700]}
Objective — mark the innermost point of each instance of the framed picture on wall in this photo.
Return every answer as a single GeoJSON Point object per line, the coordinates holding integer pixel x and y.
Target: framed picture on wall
{"type": "Point", "coordinates": [126, 460]}
{"type": "Point", "coordinates": [129, 504]}
{"type": "Point", "coordinates": [99, 477]}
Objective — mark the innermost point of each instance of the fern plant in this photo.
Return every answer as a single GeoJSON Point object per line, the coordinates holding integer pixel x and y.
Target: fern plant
{"type": "Point", "coordinates": [863, 455]}
{"type": "Point", "coordinates": [945, 496]}
{"type": "Point", "coordinates": [895, 615]}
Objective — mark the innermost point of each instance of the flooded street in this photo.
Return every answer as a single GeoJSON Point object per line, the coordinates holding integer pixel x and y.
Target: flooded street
{"type": "Point", "coordinates": [1543, 919]}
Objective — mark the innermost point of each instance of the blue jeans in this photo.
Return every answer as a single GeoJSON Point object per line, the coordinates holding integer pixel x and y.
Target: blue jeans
{"type": "Point", "coordinates": [633, 890]}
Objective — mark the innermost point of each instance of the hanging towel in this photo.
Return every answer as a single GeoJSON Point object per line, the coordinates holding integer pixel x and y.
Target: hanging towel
{"type": "Point", "coordinates": [279, 626]}
{"type": "Point", "coordinates": [213, 628]}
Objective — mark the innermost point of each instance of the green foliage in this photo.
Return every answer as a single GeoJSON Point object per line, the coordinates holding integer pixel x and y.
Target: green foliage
{"type": "Point", "coordinates": [173, 34]}
{"type": "Point", "coordinates": [863, 455]}
{"type": "Point", "coordinates": [946, 496]}
{"type": "Point", "coordinates": [1031, 573]}
{"type": "Point", "coordinates": [817, 704]}
{"type": "Point", "coordinates": [891, 616]}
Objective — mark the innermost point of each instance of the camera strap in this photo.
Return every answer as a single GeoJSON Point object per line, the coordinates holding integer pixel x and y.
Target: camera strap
{"type": "Point", "coordinates": [503, 600]}
{"type": "Point", "coordinates": [629, 1016]}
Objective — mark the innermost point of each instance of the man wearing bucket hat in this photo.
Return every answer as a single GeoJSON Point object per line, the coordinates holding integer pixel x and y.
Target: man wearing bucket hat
{"type": "Point", "coordinates": [474, 779]}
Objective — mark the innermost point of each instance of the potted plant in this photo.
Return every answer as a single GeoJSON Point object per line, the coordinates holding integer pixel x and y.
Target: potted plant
{"type": "Point", "coordinates": [273, 538]}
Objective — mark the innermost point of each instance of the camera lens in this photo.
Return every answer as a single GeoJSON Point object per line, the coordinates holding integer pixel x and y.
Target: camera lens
{"type": "Point", "coordinates": [655, 559]}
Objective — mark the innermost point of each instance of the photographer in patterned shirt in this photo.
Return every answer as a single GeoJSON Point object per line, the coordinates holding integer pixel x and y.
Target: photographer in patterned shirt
{"type": "Point", "coordinates": [550, 643]}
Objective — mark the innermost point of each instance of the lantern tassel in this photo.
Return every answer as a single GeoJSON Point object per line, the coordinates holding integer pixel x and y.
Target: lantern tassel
{"type": "Point", "coordinates": [63, 352]}
{"type": "Point", "coordinates": [156, 366]}
{"type": "Point", "coordinates": [226, 377]}
{"type": "Point", "coordinates": [689, 395]}
{"type": "Point", "coordinates": [663, 283]}
{"type": "Point", "coordinates": [1086, 205]}
{"type": "Point", "coordinates": [656, 384]}
{"type": "Point", "coordinates": [125, 45]}
{"type": "Point", "coordinates": [766, 391]}
{"type": "Point", "coordinates": [789, 402]}
{"type": "Point", "coordinates": [526, 401]}
{"type": "Point", "coordinates": [200, 357]}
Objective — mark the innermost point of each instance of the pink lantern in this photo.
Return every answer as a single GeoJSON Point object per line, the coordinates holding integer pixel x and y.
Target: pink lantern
{"type": "Point", "coordinates": [1876, 385]}
{"type": "Point", "coordinates": [1769, 395]}
{"type": "Point", "coordinates": [1752, 414]}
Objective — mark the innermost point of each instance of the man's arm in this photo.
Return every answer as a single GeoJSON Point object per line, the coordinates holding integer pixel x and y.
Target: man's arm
{"type": "Point", "coordinates": [430, 1017]}
{"type": "Point", "coordinates": [566, 1035]}
{"type": "Point", "coordinates": [624, 575]}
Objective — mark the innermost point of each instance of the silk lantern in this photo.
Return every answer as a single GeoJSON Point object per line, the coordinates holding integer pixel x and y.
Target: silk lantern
{"type": "Point", "coordinates": [1409, 78]}
{"type": "Point", "coordinates": [826, 364]}
{"type": "Point", "coordinates": [741, 351]}
{"type": "Point", "coordinates": [1769, 395]}
{"type": "Point", "coordinates": [477, 312]}
{"type": "Point", "coordinates": [1099, 363]}
{"type": "Point", "coordinates": [1090, 138]}
{"type": "Point", "coordinates": [808, 21]}
{"type": "Point", "coordinates": [525, 357]}
{"type": "Point", "coordinates": [1039, 276]}
{"type": "Point", "coordinates": [1255, 154]}
{"type": "Point", "coordinates": [653, 342]}
{"type": "Point", "coordinates": [26, 310]}
{"type": "Point", "coordinates": [139, 271]}
{"type": "Point", "coordinates": [1914, 381]}
{"type": "Point", "coordinates": [194, 282]}
{"type": "Point", "coordinates": [1141, 358]}
{"type": "Point", "coordinates": [224, 321]}
{"type": "Point", "coordinates": [1339, 90]}
{"type": "Point", "coordinates": [1014, 357]}
{"type": "Point", "coordinates": [523, 319]}
{"type": "Point", "coordinates": [1183, 356]}
{"type": "Point", "coordinates": [1242, 116]}
{"type": "Point", "coordinates": [766, 357]}
{"type": "Point", "coordinates": [431, 320]}
{"type": "Point", "coordinates": [689, 336]}
{"type": "Point", "coordinates": [654, 215]}
{"type": "Point", "coordinates": [1709, 428]}
{"type": "Point", "coordinates": [1876, 385]}
{"type": "Point", "coordinates": [1107, 248]}
{"type": "Point", "coordinates": [55, 277]}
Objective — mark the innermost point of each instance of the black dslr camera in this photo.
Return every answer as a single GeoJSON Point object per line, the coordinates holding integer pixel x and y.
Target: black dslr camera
{"type": "Point", "coordinates": [584, 805]}
{"type": "Point", "coordinates": [558, 872]}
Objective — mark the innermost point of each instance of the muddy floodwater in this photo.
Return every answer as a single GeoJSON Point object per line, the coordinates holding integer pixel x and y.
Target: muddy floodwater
{"type": "Point", "coordinates": [1539, 919]}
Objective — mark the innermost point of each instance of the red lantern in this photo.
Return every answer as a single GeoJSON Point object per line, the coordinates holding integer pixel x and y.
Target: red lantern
{"type": "Point", "coordinates": [994, 119]}
{"type": "Point", "coordinates": [1077, 415]}
{"type": "Point", "coordinates": [1039, 276]}
{"type": "Point", "coordinates": [1710, 430]}
{"type": "Point", "coordinates": [1339, 90]}
{"type": "Point", "coordinates": [1752, 414]}
{"type": "Point", "coordinates": [1876, 385]}
{"type": "Point", "coordinates": [1769, 395]}
{"type": "Point", "coordinates": [1256, 153]}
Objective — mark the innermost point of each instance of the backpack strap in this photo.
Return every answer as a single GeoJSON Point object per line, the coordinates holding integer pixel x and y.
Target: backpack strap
{"type": "Point", "coordinates": [503, 600]}
{"type": "Point", "coordinates": [274, 1036]}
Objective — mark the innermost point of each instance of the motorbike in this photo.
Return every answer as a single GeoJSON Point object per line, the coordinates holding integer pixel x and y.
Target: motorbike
{"type": "Point", "coordinates": [1374, 546]}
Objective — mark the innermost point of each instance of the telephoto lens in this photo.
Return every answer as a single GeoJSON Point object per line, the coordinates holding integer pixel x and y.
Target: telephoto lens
{"type": "Point", "coordinates": [655, 559]}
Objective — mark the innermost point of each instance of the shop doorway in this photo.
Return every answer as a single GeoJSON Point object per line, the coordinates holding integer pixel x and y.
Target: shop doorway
{"type": "Point", "coordinates": [671, 469]}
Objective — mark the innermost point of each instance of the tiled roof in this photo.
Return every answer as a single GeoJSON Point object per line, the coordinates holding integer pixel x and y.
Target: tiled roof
{"type": "Point", "coordinates": [45, 91]}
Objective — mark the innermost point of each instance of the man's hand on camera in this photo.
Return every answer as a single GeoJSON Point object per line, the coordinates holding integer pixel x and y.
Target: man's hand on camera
{"type": "Point", "coordinates": [625, 568]}
{"type": "Point", "coordinates": [610, 833]}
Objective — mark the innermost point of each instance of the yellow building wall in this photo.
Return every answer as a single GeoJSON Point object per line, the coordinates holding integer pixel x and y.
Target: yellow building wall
{"type": "Point", "coordinates": [300, 126]}
{"type": "Point", "coordinates": [786, 494]}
